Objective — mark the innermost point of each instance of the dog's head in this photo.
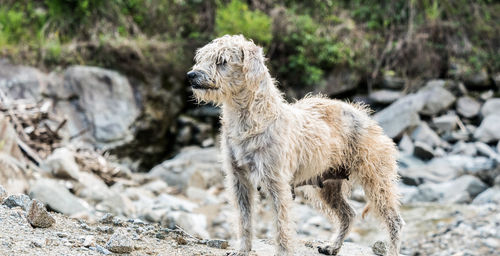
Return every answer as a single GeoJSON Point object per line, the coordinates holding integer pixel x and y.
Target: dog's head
{"type": "Point", "coordinates": [228, 67]}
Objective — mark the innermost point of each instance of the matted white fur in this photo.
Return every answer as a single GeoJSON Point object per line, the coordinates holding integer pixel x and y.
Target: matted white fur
{"type": "Point", "coordinates": [269, 143]}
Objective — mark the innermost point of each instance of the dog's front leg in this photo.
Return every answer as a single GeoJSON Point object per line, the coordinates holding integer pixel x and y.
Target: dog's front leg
{"type": "Point", "coordinates": [243, 191]}
{"type": "Point", "coordinates": [281, 197]}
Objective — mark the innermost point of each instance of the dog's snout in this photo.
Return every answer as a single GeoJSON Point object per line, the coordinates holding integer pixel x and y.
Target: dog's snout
{"type": "Point", "coordinates": [191, 75]}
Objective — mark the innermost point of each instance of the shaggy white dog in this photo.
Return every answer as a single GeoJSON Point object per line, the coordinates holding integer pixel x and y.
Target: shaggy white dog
{"type": "Point", "coordinates": [325, 145]}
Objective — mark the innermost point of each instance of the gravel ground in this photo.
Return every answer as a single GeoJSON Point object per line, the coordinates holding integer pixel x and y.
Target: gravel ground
{"type": "Point", "coordinates": [74, 237]}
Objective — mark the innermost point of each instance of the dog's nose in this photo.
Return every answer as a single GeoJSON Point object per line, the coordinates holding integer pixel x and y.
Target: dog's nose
{"type": "Point", "coordinates": [191, 75]}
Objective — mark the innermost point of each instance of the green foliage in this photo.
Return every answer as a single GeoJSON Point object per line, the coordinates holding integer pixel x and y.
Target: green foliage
{"type": "Point", "coordinates": [310, 52]}
{"type": "Point", "coordinates": [236, 18]}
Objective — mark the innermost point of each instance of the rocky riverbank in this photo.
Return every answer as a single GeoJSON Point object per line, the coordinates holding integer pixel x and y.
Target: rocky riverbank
{"type": "Point", "coordinates": [68, 139]}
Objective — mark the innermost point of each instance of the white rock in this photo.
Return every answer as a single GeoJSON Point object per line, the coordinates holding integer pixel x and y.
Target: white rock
{"type": "Point", "coordinates": [489, 129]}
{"type": "Point", "coordinates": [61, 163]}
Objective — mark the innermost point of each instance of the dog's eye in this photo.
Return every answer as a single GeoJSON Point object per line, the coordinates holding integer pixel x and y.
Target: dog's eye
{"type": "Point", "coordinates": [221, 62]}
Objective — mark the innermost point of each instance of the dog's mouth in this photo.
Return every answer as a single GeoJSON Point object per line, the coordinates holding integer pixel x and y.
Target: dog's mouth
{"type": "Point", "coordinates": [198, 86]}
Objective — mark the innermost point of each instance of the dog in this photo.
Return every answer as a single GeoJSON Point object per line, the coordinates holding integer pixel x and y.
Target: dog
{"type": "Point", "coordinates": [322, 144]}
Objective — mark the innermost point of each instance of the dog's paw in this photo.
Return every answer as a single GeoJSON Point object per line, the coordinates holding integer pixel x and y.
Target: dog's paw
{"type": "Point", "coordinates": [328, 250]}
{"type": "Point", "coordinates": [237, 253]}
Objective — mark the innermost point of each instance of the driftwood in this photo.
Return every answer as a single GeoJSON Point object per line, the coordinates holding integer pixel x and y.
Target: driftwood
{"type": "Point", "coordinates": [37, 129]}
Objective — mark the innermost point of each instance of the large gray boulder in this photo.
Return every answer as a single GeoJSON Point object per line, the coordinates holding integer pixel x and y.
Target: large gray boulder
{"type": "Point", "coordinates": [489, 129]}
{"type": "Point", "coordinates": [437, 98]}
{"type": "Point", "coordinates": [424, 133]}
{"type": "Point", "coordinates": [61, 163]}
{"type": "Point", "coordinates": [385, 96]}
{"type": "Point", "coordinates": [100, 101]}
{"type": "Point", "coordinates": [468, 107]}
{"type": "Point", "coordinates": [401, 115]}
{"type": "Point", "coordinates": [460, 190]}
{"type": "Point", "coordinates": [57, 197]}
{"type": "Point", "coordinates": [22, 82]}
{"type": "Point", "coordinates": [198, 167]}
{"type": "Point", "coordinates": [445, 123]}
{"type": "Point", "coordinates": [491, 106]}
{"type": "Point", "coordinates": [491, 195]}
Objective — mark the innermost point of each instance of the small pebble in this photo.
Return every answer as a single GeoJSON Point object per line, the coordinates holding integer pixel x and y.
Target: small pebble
{"type": "Point", "coordinates": [38, 216]}
{"type": "Point", "coordinates": [379, 248]}
{"type": "Point", "coordinates": [217, 243]}
{"type": "Point", "coordinates": [107, 218]}
{"type": "Point", "coordinates": [120, 242]}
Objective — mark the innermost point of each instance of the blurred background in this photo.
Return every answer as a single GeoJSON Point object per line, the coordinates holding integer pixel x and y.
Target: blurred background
{"type": "Point", "coordinates": [94, 102]}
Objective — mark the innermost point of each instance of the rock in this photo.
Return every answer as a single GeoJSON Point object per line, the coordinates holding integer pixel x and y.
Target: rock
{"type": "Point", "coordinates": [478, 79]}
{"type": "Point", "coordinates": [445, 123]}
{"type": "Point", "coordinates": [106, 218]}
{"type": "Point", "coordinates": [199, 195]}
{"type": "Point", "coordinates": [463, 148]}
{"type": "Point", "coordinates": [437, 97]}
{"type": "Point", "coordinates": [488, 130]}
{"type": "Point", "coordinates": [100, 249]}
{"type": "Point", "coordinates": [61, 163]}
{"type": "Point", "coordinates": [103, 102]}
{"type": "Point", "coordinates": [406, 145]}
{"type": "Point", "coordinates": [460, 190]}
{"type": "Point", "coordinates": [57, 197]}
{"type": "Point", "coordinates": [486, 95]}
{"type": "Point", "coordinates": [491, 106]}
{"type": "Point", "coordinates": [437, 170]}
{"type": "Point", "coordinates": [486, 150]}
{"type": "Point", "coordinates": [157, 186]}
{"type": "Point", "coordinates": [423, 151]}
{"type": "Point", "coordinates": [3, 194]}
{"type": "Point", "coordinates": [407, 193]}
{"type": "Point", "coordinates": [489, 196]}
{"type": "Point", "coordinates": [217, 243]}
{"type": "Point", "coordinates": [20, 200]}
{"type": "Point", "coordinates": [117, 204]}
{"type": "Point", "coordinates": [174, 203]}
{"type": "Point", "coordinates": [400, 115]}
{"type": "Point", "coordinates": [22, 82]}
{"type": "Point", "coordinates": [390, 81]}
{"type": "Point", "coordinates": [339, 81]}
{"type": "Point", "coordinates": [120, 242]}
{"type": "Point", "coordinates": [425, 134]}
{"type": "Point", "coordinates": [92, 188]}
{"type": "Point", "coordinates": [385, 96]}
{"type": "Point", "coordinates": [193, 223]}
{"type": "Point", "coordinates": [193, 166]}
{"type": "Point", "coordinates": [468, 107]}
{"type": "Point", "coordinates": [409, 161]}
{"type": "Point", "coordinates": [38, 216]}
{"type": "Point", "coordinates": [379, 248]}
{"type": "Point", "coordinates": [89, 241]}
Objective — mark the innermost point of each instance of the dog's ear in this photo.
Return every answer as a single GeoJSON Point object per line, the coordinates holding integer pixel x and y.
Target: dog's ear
{"type": "Point", "coordinates": [253, 65]}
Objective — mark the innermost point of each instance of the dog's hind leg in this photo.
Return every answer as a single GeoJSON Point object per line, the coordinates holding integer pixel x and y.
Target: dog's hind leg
{"type": "Point", "coordinates": [335, 205]}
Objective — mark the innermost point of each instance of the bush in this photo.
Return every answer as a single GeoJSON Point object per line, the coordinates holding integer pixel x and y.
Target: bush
{"type": "Point", "coordinates": [236, 18]}
{"type": "Point", "coordinates": [309, 52]}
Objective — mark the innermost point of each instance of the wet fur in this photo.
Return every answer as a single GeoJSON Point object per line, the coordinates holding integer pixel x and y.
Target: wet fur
{"type": "Point", "coordinates": [274, 145]}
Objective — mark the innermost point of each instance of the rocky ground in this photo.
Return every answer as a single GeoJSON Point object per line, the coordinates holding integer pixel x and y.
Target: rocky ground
{"type": "Point", "coordinates": [24, 231]}
{"type": "Point", "coordinates": [57, 133]}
